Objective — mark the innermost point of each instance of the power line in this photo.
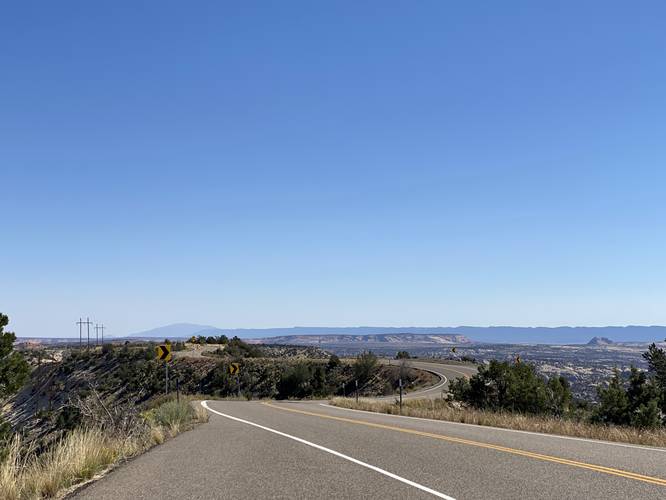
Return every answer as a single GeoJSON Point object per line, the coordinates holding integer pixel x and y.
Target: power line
{"type": "Point", "coordinates": [80, 323]}
{"type": "Point", "coordinates": [87, 322]}
{"type": "Point", "coordinates": [99, 328]}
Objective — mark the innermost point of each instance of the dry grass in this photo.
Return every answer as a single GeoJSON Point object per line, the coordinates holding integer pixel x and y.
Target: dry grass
{"type": "Point", "coordinates": [442, 410]}
{"type": "Point", "coordinates": [201, 414]}
{"type": "Point", "coordinates": [76, 458]}
{"type": "Point", "coordinates": [85, 453]}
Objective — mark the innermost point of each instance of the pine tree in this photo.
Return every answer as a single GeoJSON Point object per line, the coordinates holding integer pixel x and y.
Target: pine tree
{"type": "Point", "coordinates": [14, 369]}
{"type": "Point", "coordinates": [613, 403]}
{"type": "Point", "coordinates": [656, 358]}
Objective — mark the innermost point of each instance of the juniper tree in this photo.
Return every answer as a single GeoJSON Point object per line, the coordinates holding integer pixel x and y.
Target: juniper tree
{"type": "Point", "coordinates": [14, 369]}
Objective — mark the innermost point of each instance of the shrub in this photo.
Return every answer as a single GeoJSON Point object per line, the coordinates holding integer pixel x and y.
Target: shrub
{"type": "Point", "coordinates": [635, 402]}
{"type": "Point", "coordinates": [333, 362]}
{"type": "Point", "coordinates": [295, 382]}
{"type": "Point", "coordinates": [236, 348]}
{"type": "Point", "coordinates": [173, 415]}
{"type": "Point", "coordinates": [513, 387]}
{"type": "Point", "coordinates": [365, 366]}
{"type": "Point", "coordinates": [14, 369]}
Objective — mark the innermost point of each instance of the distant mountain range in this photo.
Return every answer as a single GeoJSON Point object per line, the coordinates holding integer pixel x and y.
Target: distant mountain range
{"type": "Point", "coordinates": [462, 334]}
{"type": "Point", "coordinates": [178, 330]}
{"type": "Point", "coordinates": [402, 339]}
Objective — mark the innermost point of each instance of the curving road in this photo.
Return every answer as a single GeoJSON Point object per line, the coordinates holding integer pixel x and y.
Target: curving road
{"type": "Point", "coordinates": [445, 372]}
{"type": "Point", "coordinates": [312, 450]}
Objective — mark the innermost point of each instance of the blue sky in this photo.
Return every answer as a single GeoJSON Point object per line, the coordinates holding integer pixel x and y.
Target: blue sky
{"type": "Point", "coordinates": [256, 164]}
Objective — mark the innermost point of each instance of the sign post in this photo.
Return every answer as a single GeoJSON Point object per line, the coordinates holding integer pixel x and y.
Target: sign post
{"type": "Point", "coordinates": [234, 369]}
{"type": "Point", "coordinates": [163, 352]}
{"type": "Point", "coordinates": [400, 384]}
{"type": "Point", "coordinates": [356, 381]}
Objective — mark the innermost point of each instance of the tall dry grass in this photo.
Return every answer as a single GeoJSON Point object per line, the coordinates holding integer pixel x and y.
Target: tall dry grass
{"type": "Point", "coordinates": [85, 453]}
{"type": "Point", "coordinates": [76, 458]}
{"type": "Point", "coordinates": [442, 410]}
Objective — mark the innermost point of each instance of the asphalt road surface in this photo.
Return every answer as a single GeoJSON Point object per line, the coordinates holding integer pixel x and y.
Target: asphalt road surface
{"type": "Point", "coordinates": [445, 372]}
{"type": "Point", "coordinates": [311, 450]}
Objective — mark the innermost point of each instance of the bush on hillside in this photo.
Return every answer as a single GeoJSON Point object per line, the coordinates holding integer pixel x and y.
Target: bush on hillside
{"type": "Point", "coordinates": [634, 402]}
{"type": "Point", "coordinates": [513, 387]}
{"type": "Point", "coordinates": [14, 369]}
{"type": "Point", "coordinates": [365, 367]}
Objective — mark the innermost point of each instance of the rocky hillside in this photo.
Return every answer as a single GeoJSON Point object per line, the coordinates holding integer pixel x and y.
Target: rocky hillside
{"type": "Point", "coordinates": [59, 392]}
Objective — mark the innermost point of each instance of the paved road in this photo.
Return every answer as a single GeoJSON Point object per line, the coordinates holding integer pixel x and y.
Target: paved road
{"type": "Point", "coordinates": [445, 372]}
{"type": "Point", "coordinates": [311, 450]}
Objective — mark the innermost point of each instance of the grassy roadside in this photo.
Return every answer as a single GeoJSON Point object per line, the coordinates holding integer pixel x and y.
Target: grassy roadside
{"type": "Point", "coordinates": [442, 410]}
{"type": "Point", "coordinates": [87, 452]}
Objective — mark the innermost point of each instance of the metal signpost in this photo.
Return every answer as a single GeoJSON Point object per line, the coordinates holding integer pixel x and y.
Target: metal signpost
{"type": "Point", "coordinates": [234, 369]}
{"type": "Point", "coordinates": [400, 384]}
{"type": "Point", "coordinates": [164, 353]}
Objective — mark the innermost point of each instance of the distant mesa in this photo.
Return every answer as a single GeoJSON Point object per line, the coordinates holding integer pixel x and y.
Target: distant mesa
{"type": "Point", "coordinates": [600, 341]}
{"type": "Point", "coordinates": [413, 339]}
{"type": "Point", "coordinates": [425, 336]}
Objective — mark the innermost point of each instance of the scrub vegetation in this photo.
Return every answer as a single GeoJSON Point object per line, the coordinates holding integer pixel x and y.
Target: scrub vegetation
{"type": "Point", "coordinates": [515, 396]}
{"type": "Point", "coordinates": [445, 410]}
{"type": "Point", "coordinates": [74, 415]}
{"type": "Point", "coordinates": [87, 451]}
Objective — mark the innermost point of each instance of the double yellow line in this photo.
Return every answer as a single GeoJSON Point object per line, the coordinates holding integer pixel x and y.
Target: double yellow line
{"type": "Point", "coordinates": [514, 451]}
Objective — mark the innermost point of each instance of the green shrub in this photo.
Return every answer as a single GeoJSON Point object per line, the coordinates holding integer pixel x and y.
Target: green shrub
{"type": "Point", "coordinates": [14, 369]}
{"type": "Point", "coordinates": [295, 382]}
{"type": "Point", "coordinates": [513, 387]}
{"type": "Point", "coordinates": [365, 367]}
{"type": "Point", "coordinates": [172, 414]}
{"type": "Point", "coordinates": [635, 402]}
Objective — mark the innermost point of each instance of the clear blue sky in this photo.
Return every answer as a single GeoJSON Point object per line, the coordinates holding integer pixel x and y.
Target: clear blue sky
{"type": "Point", "coordinates": [255, 164]}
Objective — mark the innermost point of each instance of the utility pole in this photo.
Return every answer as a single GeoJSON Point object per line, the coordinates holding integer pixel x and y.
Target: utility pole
{"type": "Point", "coordinates": [99, 328]}
{"type": "Point", "coordinates": [87, 322]}
{"type": "Point", "coordinates": [80, 323]}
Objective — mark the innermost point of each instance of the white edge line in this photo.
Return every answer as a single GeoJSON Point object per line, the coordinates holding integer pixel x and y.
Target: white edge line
{"type": "Point", "coordinates": [333, 452]}
{"type": "Point", "coordinates": [597, 441]}
{"type": "Point", "coordinates": [442, 382]}
{"type": "Point", "coordinates": [442, 379]}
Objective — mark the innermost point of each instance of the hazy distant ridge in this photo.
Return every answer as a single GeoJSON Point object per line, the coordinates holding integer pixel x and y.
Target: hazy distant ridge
{"type": "Point", "coordinates": [497, 334]}
{"type": "Point", "coordinates": [423, 340]}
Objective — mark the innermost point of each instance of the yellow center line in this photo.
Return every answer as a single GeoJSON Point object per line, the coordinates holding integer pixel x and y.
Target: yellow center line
{"type": "Point", "coordinates": [514, 451]}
